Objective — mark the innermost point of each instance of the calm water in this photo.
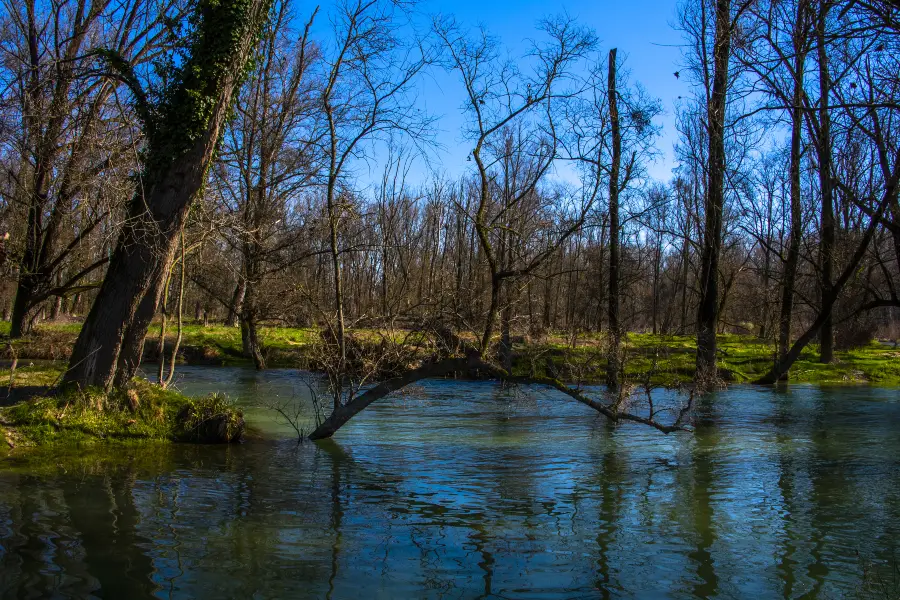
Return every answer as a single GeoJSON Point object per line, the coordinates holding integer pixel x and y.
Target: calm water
{"type": "Point", "coordinates": [457, 490]}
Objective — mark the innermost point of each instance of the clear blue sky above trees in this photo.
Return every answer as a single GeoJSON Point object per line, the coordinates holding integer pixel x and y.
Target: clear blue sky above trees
{"type": "Point", "coordinates": [641, 30]}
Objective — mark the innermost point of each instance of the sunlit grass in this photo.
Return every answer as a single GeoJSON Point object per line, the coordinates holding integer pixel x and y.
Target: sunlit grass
{"type": "Point", "coordinates": [741, 359]}
{"type": "Point", "coordinates": [669, 358]}
{"type": "Point", "coordinates": [142, 412]}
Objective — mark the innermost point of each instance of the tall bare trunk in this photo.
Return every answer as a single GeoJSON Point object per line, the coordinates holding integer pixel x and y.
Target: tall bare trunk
{"type": "Point", "coordinates": [793, 253]}
{"type": "Point", "coordinates": [826, 248]}
{"type": "Point", "coordinates": [614, 362]}
{"type": "Point", "coordinates": [333, 222]}
{"type": "Point", "coordinates": [657, 268]}
{"type": "Point", "coordinates": [707, 313]}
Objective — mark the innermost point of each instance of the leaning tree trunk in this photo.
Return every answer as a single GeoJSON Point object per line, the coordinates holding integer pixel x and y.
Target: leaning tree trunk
{"type": "Point", "coordinates": [707, 313]}
{"type": "Point", "coordinates": [181, 145]}
{"type": "Point", "coordinates": [344, 412]}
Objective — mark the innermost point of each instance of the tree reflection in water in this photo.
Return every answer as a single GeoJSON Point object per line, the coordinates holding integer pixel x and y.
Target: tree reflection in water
{"type": "Point", "coordinates": [476, 495]}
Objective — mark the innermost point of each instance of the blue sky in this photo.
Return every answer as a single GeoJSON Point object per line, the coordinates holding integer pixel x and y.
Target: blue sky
{"type": "Point", "coordinates": [641, 30]}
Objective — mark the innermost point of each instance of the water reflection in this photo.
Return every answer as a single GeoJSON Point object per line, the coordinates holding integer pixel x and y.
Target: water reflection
{"type": "Point", "coordinates": [459, 491]}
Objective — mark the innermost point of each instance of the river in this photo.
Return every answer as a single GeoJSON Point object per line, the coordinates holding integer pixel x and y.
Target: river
{"type": "Point", "coordinates": [461, 490]}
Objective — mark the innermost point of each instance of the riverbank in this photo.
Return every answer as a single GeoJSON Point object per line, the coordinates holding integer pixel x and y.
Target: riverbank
{"type": "Point", "coordinates": [34, 412]}
{"type": "Point", "coordinates": [216, 345]}
{"type": "Point", "coordinates": [664, 359]}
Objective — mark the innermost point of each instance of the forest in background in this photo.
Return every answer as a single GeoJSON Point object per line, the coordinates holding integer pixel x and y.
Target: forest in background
{"type": "Point", "coordinates": [205, 159]}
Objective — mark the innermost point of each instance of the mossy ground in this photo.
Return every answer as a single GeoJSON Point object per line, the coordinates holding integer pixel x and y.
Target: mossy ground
{"type": "Point", "coordinates": [73, 417]}
{"type": "Point", "coordinates": [667, 358]}
{"type": "Point", "coordinates": [212, 344]}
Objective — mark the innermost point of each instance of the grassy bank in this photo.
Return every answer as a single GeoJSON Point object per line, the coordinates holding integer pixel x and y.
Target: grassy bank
{"type": "Point", "coordinates": [211, 345]}
{"type": "Point", "coordinates": [666, 359]}
{"type": "Point", "coordinates": [40, 415]}
{"type": "Point", "coordinates": [742, 359]}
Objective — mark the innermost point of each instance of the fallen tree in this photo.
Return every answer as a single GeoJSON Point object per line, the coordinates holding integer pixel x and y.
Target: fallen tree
{"type": "Point", "coordinates": [516, 142]}
{"type": "Point", "coordinates": [466, 360]}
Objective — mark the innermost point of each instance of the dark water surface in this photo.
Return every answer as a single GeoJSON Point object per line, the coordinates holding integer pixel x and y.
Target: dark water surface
{"type": "Point", "coordinates": [458, 490]}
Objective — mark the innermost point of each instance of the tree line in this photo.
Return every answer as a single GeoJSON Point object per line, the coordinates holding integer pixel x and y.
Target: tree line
{"type": "Point", "coordinates": [216, 157]}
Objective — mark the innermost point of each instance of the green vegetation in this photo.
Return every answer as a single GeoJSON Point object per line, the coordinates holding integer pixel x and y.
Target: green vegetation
{"type": "Point", "coordinates": [742, 358]}
{"type": "Point", "coordinates": [666, 358]}
{"type": "Point", "coordinates": [29, 375]}
{"type": "Point", "coordinates": [213, 344]}
{"type": "Point", "coordinates": [141, 412]}
{"type": "Point", "coordinates": [219, 344]}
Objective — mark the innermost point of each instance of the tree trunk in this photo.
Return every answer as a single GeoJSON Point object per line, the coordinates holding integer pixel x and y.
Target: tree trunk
{"type": "Point", "coordinates": [181, 145]}
{"type": "Point", "coordinates": [57, 307]}
{"type": "Point", "coordinates": [793, 253]}
{"type": "Point", "coordinates": [826, 248]}
{"type": "Point", "coordinates": [250, 340]}
{"type": "Point", "coordinates": [18, 324]}
{"type": "Point", "coordinates": [657, 266]}
{"type": "Point", "coordinates": [344, 413]}
{"type": "Point", "coordinates": [614, 362]}
{"type": "Point", "coordinates": [237, 302]}
{"type": "Point", "coordinates": [685, 267]}
{"type": "Point", "coordinates": [506, 353]}
{"type": "Point", "coordinates": [707, 313]}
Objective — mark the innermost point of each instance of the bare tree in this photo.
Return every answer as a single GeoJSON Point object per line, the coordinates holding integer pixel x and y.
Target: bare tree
{"type": "Point", "coordinates": [498, 100]}
{"type": "Point", "coordinates": [74, 146]}
{"type": "Point", "coordinates": [366, 95]}
{"type": "Point", "coordinates": [265, 164]}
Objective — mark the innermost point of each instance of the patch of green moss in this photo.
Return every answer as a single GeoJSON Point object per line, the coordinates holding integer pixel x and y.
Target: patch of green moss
{"type": "Point", "coordinates": [142, 412]}
{"type": "Point", "coordinates": [28, 374]}
{"type": "Point", "coordinates": [671, 359]}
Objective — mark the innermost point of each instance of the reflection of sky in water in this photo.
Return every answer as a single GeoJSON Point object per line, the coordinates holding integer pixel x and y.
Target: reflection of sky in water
{"type": "Point", "coordinates": [459, 490]}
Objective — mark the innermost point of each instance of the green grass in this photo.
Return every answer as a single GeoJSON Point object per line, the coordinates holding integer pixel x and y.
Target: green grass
{"type": "Point", "coordinates": [668, 358]}
{"type": "Point", "coordinates": [84, 417]}
{"type": "Point", "coordinates": [31, 375]}
{"type": "Point", "coordinates": [218, 344]}
{"type": "Point", "coordinates": [213, 344]}
{"type": "Point", "coordinates": [742, 359]}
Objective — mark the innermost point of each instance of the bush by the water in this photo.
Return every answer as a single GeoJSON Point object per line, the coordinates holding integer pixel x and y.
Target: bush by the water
{"type": "Point", "coordinates": [209, 420]}
{"type": "Point", "coordinates": [143, 411]}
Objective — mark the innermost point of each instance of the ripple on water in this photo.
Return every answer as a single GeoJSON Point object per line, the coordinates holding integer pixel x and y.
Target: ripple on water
{"type": "Point", "coordinates": [459, 490]}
